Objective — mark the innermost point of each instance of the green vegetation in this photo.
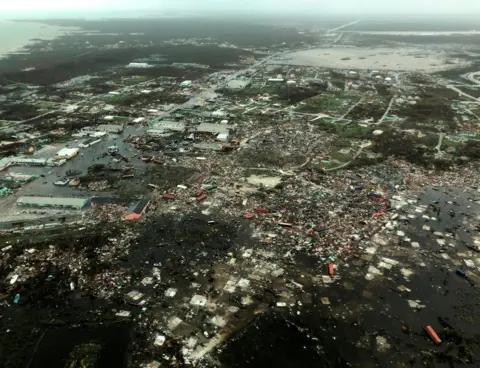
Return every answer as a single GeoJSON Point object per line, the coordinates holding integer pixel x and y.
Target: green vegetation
{"type": "Point", "coordinates": [345, 131]}
{"type": "Point", "coordinates": [329, 102]}
{"type": "Point", "coordinates": [46, 104]}
{"type": "Point", "coordinates": [113, 99]}
{"type": "Point", "coordinates": [122, 119]}
{"type": "Point", "coordinates": [134, 80]}
{"type": "Point", "coordinates": [341, 157]}
{"type": "Point", "coordinates": [84, 356]}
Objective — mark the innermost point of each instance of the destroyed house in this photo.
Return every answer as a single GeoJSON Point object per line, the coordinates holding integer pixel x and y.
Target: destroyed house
{"type": "Point", "coordinates": [212, 128]}
{"type": "Point", "coordinates": [101, 201]}
{"type": "Point", "coordinates": [137, 210]}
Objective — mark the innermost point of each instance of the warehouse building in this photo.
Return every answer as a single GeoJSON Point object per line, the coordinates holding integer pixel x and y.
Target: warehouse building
{"type": "Point", "coordinates": [66, 153]}
{"type": "Point", "coordinates": [53, 202]}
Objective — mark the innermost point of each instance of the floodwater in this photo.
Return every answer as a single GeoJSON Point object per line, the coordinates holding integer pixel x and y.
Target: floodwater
{"type": "Point", "coordinates": [370, 323]}
{"type": "Point", "coordinates": [373, 58]}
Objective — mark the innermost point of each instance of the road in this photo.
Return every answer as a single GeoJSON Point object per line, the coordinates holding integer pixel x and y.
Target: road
{"type": "Point", "coordinates": [452, 87]}
{"type": "Point", "coordinates": [471, 112]}
{"type": "Point", "coordinates": [386, 111]}
{"type": "Point", "coordinates": [353, 158]}
{"type": "Point", "coordinates": [349, 110]}
{"type": "Point", "coordinates": [344, 26]}
{"type": "Point", "coordinates": [471, 77]}
{"type": "Point", "coordinates": [440, 141]}
{"type": "Point", "coordinates": [338, 38]}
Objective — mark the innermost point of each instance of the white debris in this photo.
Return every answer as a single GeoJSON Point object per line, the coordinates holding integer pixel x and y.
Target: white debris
{"type": "Point", "coordinates": [415, 245]}
{"type": "Point", "coordinates": [382, 344]}
{"type": "Point", "coordinates": [400, 233]}
{"type": "Point", "coordinates": [232, 309]}
{"type": "Point", "coordinates": [469, 263]}
{"type": "Point", "coordinates": [326, 279]}
{"type": "Point", "coordinates": [372, 271]}
{"type": "Point", "coordinates": [384, 265]}
{"type": "Point", "coordinates": [170, 292]}
{"type": "Point", "coordinates": [325, 300]}
{"type": "Point", "coordinates": [403, 288]}
{"type": "Point", "coordinates": [14, 279]}
{"type": "Point", "coordinates": [406, 272]}
{"type": "Point", "coordinates": [281, 304]}
{"type": "Point", "coordinates": [278, 272]}
{"type": "Point", "coordinates": [441, 242]}
{"type": "Point", "coordinates": [376, 271]}
{"type": "Point", "coordinates": [174, 323]}
{"type": "Point", "coordinates": [159, 340]}
{"type": "Point", "coordinates": [198, 301]}
{"type": "Point", "coordinates": [243, 283]}
{"type": "Point", "coordinates": [248, 253]}
{"type": "Point", "coordinates": [191, 342]}
{"type": "Point", "coordinates": [230, 286]}
{"type": "Point", "coordinates": [415, 304]}
{"type": "Point", "coordinates": [135, 295]}
{"type": "Point", "coordinates": [123, 314]}
{"type": "Point", "coordinates": [218, 321]}
{"type": "Point", "coordinates": [147, 281]}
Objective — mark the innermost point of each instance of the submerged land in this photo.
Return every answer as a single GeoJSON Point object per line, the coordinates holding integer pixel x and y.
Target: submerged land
{"type": "Point", "coordinates": [224, 193]}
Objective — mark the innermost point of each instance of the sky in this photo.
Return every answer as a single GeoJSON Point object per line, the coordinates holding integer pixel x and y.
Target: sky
{"type": "Point", "coordinates": [275, 6]}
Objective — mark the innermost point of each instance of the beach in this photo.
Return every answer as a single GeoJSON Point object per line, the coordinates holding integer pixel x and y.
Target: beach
{"type": "Point", "coordinates": [17, 35]}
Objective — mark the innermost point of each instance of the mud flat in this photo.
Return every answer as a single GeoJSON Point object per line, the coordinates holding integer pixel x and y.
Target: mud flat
{"type": "Point", "coordinates": [406, 59]}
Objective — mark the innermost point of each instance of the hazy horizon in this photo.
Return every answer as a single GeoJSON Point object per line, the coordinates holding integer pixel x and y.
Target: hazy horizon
{"type": "Point", "coordinates": [114, 8]}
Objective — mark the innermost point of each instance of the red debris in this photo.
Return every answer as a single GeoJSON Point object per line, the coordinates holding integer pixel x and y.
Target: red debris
{"type": "Point", "coordinates": [169, 196]}
{"type": "Point", "coordinates": [202, 198]}
{"type": "Point", "coordinates": [331, 270]}
{"type": "Point", "coordinates": [199, 193]}
{"type": "Point", "coordinates": [433, 335]}
{"type": "Point", "coordinates": [261, 210]}
{"type": "Point", "coordinates": [248, 215]}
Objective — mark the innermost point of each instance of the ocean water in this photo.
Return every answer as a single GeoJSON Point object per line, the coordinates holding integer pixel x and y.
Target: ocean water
{"type": "Point", "coordinates": [16, 35]}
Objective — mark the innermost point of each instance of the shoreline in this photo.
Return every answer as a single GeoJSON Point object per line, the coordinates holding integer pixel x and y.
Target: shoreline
{"type": "Point", "coordinates": [24, 34]}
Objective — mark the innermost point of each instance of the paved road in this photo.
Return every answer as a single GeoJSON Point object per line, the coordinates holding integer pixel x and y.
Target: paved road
{"type": "Point", "coordinates": [349, 110]}
{"type": "Point", "coordinates": [353, 158]}
{"type": "Point", "coordinates": [452, 87]}
{"type": "Point", "coordinates": [440, 141]}
{"type": "Point", "coordinates": [386, 111]}
{"type": "Point", "coordinates": [344, 26]}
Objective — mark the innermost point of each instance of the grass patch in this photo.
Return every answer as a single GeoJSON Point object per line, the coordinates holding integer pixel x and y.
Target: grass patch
{"type": "Point", "coordinates": [122, 119]}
